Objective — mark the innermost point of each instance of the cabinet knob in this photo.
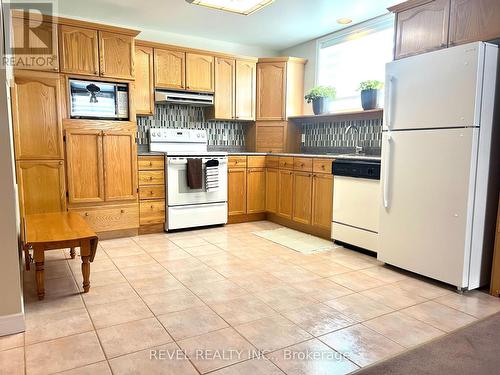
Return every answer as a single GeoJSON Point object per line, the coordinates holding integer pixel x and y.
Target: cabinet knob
{"type": "Point", "coordinates": [96, 72]}
{"type": "Point", "coordinates": [60, 163]}
{"type": "Point", "coordinates": [151, 178]}
{"type": "Point", "coordinates": [150, 163]}
{"type": "Point", "coordinates": [301, 164]}
{"type": "Point", "coordinates": [122, 211]}
{"type": "Point", "coordinates": [152, 206]}
{"type": "Point", "coordinates": [86, 214]}
{"type": "Point", "coordinates": [322, 167]}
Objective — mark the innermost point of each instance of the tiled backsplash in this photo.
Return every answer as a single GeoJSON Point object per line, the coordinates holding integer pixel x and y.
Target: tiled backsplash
{"type": "Point", "coordinates": [332, 137]}
{"type": "Point", "coordinates": [222, 135]}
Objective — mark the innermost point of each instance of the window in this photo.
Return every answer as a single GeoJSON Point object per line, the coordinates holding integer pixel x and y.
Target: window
{"type": "Point", "coordinates": [353, 55]}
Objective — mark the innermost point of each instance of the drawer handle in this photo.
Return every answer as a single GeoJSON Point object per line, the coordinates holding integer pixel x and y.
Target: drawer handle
{"type": "Point", "coordinates": [322, 167]}
{"type": "Point", "coordinates": [150, 163]}
{"type": "Point", "coordinates": [86, 214]}
{"type": "Point", "coordinates": [151, 192]}
{"type": "Point", "coordinates": [236, 162]}
{"type": "Point", "coordinates": [152, 207]}
{"type": "Point", "coordinates": [151, 178]}
{"type": "Point", "coordinates": [122, 211]}
{"type": "Point", "coordinates": [301, 164]}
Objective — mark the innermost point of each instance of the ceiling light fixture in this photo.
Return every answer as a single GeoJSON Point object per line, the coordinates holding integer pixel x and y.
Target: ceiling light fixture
{"type": "Point", "coordinates": [244, 7]}
{"type": "Point", "coordinates": [344, 21]}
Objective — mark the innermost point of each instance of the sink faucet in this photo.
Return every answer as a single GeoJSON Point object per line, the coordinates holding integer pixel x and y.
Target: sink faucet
{"type": "Point", "coordinates": [357, 147]}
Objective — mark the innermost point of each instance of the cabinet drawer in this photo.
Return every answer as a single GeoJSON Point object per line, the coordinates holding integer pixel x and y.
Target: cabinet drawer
{"type": "Point", "coordinates": [152, 192]}
{"type": "Point", "coordinates": [237, 162]}
{"type": "Point", "coordinates": [146, 163]}
{"type": "Point", "coordinates": [286, 162]}
{"type": "Point", "coordinates": [256, 162]}
{"type": "Point", "coordinates": [303, 164]}
{"type": "Point", "coordinates": [152, 212]}
{"type": "Point", "coordinates": [272, 161]}
{"type": "Point", "coordinates": [107, 218]}
{"type": "Point", "coordinates": [151, 178]}
{"type": "Point", "coordinates": [322, 165]}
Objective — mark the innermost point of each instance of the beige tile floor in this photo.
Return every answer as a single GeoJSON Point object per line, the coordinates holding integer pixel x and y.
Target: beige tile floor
{"type": "Point", "coordinates": [224, 301]}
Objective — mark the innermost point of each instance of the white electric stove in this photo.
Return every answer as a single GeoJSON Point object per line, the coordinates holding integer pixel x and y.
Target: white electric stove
{"type": "Point", "coordinates": [186, 207]}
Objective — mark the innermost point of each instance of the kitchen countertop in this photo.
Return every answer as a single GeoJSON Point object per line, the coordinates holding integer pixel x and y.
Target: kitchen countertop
{"type": "Point", "coordinates": [323, 156]}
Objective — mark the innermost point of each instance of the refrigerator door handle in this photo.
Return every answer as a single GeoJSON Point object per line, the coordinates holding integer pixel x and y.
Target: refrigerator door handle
{"type": "Point", "coordinates": [388, 112]}
{"type": "Point", "coordinates": [387, 174]}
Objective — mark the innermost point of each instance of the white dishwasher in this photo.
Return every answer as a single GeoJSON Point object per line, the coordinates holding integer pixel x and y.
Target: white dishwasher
{"type": "Point", "coordinates": [356, 195]}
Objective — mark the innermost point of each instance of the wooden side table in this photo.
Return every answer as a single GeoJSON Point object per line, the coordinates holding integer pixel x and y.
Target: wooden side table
{"type": "Point", "coordinates": [58, 231]}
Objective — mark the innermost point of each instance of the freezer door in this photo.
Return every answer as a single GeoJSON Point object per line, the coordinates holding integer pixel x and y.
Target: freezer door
{"type": "Point", "coordinates": [426, 214]}
{"type": "Point", "coordinates": [439, 89]}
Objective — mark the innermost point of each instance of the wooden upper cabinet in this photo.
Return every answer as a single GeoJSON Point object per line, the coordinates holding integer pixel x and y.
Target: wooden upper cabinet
{"type": "Point", "coordinates": [246, 74]}
{"type": "Point", "coordinates": [256, 190]}
{"type": "Point", "coordinates": [225, 75]}
{"type": "Point", "coordinates": [45, 37]}
{"type": "Point", "coordinates": [85, 166]}
{"type": "Point", "coordinates": [474, 20]}
{"type": "Point", "coordinates": [41, 186]}
{"type": "Point", "coordinates": [170, 69]}
{"type": "Point", "coordinates": [36, 115]}
{"type": "Point", "coordinates": [199, 72]}
{"type": "Point", "coordinates": [322, 200]}
{"type": "Point", "coordinates": [422, 29]}
{"type": "Point", "coordinates": [78, 50]}
{"type": "Point", "coordinates": [237, 191]}
{"type": "Point", "coordinates": [144, 81]}
{"type": "Point", "coordinates": [302, 197]}
{"type": "Point", "coordinates": [120, 165]}
{"type": "Point", "coordinates": [271, 91]}
{"type": "Point", "coordinates": [116, 55]}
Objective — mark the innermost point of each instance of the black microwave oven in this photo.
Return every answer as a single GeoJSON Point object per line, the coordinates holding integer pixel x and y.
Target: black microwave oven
{"type": "Point", "coordinates": [98, 100]}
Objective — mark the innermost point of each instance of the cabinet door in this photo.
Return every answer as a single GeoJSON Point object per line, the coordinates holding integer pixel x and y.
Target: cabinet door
{"type": "Point", "coordinates": [285, 194]}
{"type": "Point", "coordinates": [116, 55]}
{"type": "Point", "coordinates": [84, 163]}
{"type": "Point", "coordinates": [41, 186]}
{"type": "Point", "coordinates": [237, 191]}
{"type": "Point", "coordinates": [199, 72]}
{"type": "Point", "coordinates": [224, 88]}
{"type": "Point", "coordinates": [302, 197]}
{"type": "Point", "coordinates": [36, 115]}
{"type": "Point", "coordinates": [272, 176]}
{"type": "Point", "coordinates": [170, 69]}
{"type": "Point", "coordinates": [322, 201]}
{"type": "Point", "coordinates": [474, 20]}
{"type": "Point", "coordinates": [78, 50]}
{"type": "Point", "coordinates": [271, 91]}
{"type": "Point", "coordinates": [45, 37]}
{"type": "Point", "coordinates": [256, 190]}
{"type": "Point", "coordinates": [422, 29]}
{"type": "Point", "coordinates": [246, 75]}
{"type": "Point", "coordinates": [144, 82]}
{"type": "Point", "coordinates": [120, 166]}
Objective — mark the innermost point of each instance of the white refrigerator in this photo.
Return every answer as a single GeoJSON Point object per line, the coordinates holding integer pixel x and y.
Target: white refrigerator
{"type": "Point", "coordinates": [440, 164]}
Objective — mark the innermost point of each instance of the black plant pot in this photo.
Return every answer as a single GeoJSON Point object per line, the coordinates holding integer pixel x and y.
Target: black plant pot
{"type": "Point", "coordinates": [320, 105]}
{"type": "Point", "coordinates": [369, 99]}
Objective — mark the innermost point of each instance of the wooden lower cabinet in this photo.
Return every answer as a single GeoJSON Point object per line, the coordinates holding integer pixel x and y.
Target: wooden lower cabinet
{"type": "Point", "coordinates": [110, 217]}
{"type": "Point", "coordinates": [41, 186]}
{"type": "Point", "coordinates": [495, 271]}
{"type": "Point", "coordinates": [302, 197]}
{"type": "Point", "coordinates": [256, 190]}
{"type": "Point", "coordinates": [272, 176]}
{"type": "Point", "coordinates": [237, 191]}
{"type": "Point", "coordinates": [285, 194]}
{"type": "Point", "coordinates": [322, 200]}
{"type": "Point", "coordinates": [152, 212]}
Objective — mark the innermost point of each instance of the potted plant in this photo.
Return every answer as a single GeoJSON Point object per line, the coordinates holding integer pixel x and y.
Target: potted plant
{"type": "Point", "coordinates": [370, 93]}
{"type": "Point", "coordinates": [320, 96]}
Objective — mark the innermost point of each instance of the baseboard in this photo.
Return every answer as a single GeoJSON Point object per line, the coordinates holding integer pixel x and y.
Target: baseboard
{"type": "Point", "coordinates": [236, 219]}
{"type": "Point", "coordinates": [152, 228]}
{"type": "Point", "coordinates": [10, 324]}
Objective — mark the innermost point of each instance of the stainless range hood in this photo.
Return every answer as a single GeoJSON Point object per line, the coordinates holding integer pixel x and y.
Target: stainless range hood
{"type": "Point", "coordinates": [184, 97]}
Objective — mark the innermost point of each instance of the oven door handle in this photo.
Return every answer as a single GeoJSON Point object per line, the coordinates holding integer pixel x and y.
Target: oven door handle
{"type": "Point", "coordinates": [177, 161]}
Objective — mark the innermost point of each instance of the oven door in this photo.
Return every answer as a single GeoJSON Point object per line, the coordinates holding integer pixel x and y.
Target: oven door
{"type": "Point", "coordinates": [180, 194]}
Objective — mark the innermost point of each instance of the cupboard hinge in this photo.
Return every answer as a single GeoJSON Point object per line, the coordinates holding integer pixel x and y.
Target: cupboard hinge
{"type": "Point", "coordinates": [64, 138]}
{"type": "Point", "coordinates": [67, 194]}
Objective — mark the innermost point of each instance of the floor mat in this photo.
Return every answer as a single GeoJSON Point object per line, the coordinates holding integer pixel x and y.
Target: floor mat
{"type": "Point", "coordinates": [295, 240]}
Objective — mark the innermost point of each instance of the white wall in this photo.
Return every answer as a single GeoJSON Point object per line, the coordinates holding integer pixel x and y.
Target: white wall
{"type": "Point", "coordinates": [11, 308]}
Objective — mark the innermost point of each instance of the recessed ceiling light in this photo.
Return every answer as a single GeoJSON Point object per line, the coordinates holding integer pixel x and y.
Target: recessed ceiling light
{"type": "Point", "coordinates": [344, 21]}
{"type": "Point", "coordinates": [244, 7]}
